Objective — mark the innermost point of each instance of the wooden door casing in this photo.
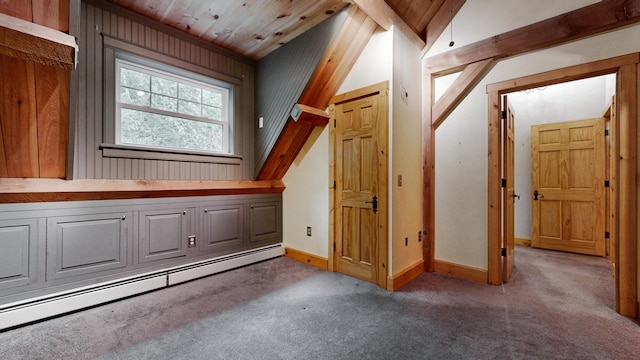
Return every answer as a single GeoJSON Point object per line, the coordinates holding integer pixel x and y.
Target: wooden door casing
{"type": "Point", "coordinates": [567, 171]}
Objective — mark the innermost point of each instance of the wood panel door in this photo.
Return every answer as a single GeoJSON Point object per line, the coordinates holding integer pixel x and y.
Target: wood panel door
{"type": "Point", "coordinates": [567, 182]}
{"type": "Point", "coordinates": [361, 188]}
{"type": "Point", "coordinates": [508, 192]}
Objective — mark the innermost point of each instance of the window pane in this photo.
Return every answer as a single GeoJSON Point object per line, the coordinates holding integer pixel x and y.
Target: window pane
{"type": "Point", "coordinates": [189, 108]}
{"type": "Point", "coordinates": [142, 128]}
{"type": "Point", "coordinates": [190, 93]}
{"type": "Point", "coordinates": [165, 103]}
{"type": "Point", "coordinates": [212, 98]}
{"type": "Point", "coordinates": [135, 79]}
{"type": "Point", "coordinates": [164, 86]}
{"type": "Point", "coordinates": [211, 112]}
{"type": "Point", "coordinates": [135, 97]}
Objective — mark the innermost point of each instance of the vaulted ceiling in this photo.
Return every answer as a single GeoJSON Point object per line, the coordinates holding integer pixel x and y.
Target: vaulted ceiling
{"type": "Point", "coordinates": [254, 28]}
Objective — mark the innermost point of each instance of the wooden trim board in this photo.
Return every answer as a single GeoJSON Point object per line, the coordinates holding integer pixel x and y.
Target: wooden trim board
{"type": "Point", "coordinates": [304, 257]}
{"type": "Point", "coordinates": [522, 241]}
{"type": "Point", "coordinates": [461, 271]}
{"type": "Point", "coordinates": [14, 190]}
{"type": "Point", "coordinates": [405, 276]}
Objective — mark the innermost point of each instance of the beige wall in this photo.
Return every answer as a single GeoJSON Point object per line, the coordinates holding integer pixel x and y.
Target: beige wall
{"type": "Point", "coordinates": [389, 56]}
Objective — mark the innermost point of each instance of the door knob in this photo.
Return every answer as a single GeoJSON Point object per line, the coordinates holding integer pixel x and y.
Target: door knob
{"type": "Point", "coordinates": [374, 203]}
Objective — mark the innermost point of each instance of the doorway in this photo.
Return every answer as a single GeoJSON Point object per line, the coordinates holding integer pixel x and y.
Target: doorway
{"type": "Point", "coordinates": [623, 195]}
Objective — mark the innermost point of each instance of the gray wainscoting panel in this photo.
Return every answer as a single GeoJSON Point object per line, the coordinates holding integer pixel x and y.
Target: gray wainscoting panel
{"type": "Point", "coordinates": [162, 234]}
{"type": "Point", "coordinates": [282, 76]}
{"type": "Point", "coordinates": [222, 228]}
{"type": "Point", "coordinates": [86, 244]}
{"type": "Point", "coordinates": [266, 222]}
{"type": "Point", "coordinates": [17, 252]}
{"type": "Point", "coordinates": [101, 20]}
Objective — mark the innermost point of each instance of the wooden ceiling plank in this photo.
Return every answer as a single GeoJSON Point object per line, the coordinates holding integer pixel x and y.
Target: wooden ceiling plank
{"type": "Point", "coordinates": [587, 21]}
{"type": "Point", "coordinates": [469, 78]}
{"type": "Point", "coordinates": [440, 22]}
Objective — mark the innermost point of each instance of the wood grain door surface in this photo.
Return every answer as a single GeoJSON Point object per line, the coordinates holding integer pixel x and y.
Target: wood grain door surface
{"type": "Point", "coordinates": [567, 182]}
{"type": "Point", "coordinates": [360, 172]}
{"type": "Point", "coordinates": [508, 192]}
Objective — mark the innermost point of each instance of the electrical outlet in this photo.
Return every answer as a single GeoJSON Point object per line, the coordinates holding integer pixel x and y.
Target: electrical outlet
{"type": "Point", "coordinates": [308, 230]}
{"type": "Point", "coordinates": [192, 241]}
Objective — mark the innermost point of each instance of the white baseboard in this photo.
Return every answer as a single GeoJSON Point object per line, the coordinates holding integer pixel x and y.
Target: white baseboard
{"type": "Point", "coordinates": [26, 311]}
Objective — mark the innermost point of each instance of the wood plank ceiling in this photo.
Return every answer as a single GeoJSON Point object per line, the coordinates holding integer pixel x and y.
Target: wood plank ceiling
{"type": "Point", "coordinates": [252, 28]}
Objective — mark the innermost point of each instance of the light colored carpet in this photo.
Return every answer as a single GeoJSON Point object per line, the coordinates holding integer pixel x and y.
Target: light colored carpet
{"type": "Point", "coordinates": [557, 306]}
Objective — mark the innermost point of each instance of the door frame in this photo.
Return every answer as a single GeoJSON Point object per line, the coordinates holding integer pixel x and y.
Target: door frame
{"type": "Point", "coordinates": [381, 88]}
{"type": "Point", "coordinates": [622, 176]}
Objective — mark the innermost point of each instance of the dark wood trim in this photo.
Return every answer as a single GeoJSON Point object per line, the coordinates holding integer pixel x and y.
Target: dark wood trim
{"type": "Point", "coordinates": [587, 21]}
{"type": "Point", "coordinates": [13, 190]}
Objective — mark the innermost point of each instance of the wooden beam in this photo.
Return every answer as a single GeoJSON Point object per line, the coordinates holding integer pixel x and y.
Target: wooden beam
{"type": "Point", "coordinates": [440, 21]}
{"type": "Point", "coordinates": [333, 68]}
{"type": "Point", "coordinates": [469, 78]}
{"type": "Point", "coordinates": [428, 175]}
{"type": "Point", "coordinates": [309, 115]}
{"type": "Point", "coordinates": [384, 16]}
{"type": "Point", "coordinates": [38, 43]}
{"type": "Point", "coordinates": [14, 190]}
{"type": "Point", "coordinates": [627, 262]}
{"type": "Point", "coordinates": [587, 21]}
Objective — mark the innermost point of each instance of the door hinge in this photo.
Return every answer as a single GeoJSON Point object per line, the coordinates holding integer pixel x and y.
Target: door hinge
{"type": "Point", "coordinates": [504, 114]}
{"type": "Point", "coordinates": [504, 183]}
{"type": "Point", "coordinates": [606, 132]}
{"type": "Point", "coordinates": [334, 185]}
{"type": "Point", "coordinates": [334, 122]}
{"type": "Point", "coordinates": [606, 234]}
{"type": "Point", "coordinates": [504, 251]}
{"type": "Point", "coordinates": [606, 183]}
{"type": "Point", "coordinates": [334, 246]}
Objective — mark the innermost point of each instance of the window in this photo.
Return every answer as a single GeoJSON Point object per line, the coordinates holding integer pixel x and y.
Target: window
{"type": "Point", "coordinates": [169, 108]}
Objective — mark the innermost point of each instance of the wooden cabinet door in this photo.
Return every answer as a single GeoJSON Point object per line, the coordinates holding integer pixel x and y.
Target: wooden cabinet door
{"type": "Point", "coordinates": [567, 181]}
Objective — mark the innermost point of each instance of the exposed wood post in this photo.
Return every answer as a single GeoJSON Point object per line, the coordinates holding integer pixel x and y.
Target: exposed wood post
{"type": "Point", "coordinates": [494, 233]}
{"type": "Point", "coordinates": [627, 267]}
{"type": "Point", "coordinates": [428, 174]}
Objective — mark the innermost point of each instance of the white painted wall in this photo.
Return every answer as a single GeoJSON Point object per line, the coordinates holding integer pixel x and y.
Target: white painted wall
{"type": "Point", "coordinates": [389, 56]}
{"type": "Point", "coordinates": [306, 197]}
{"type": "Point", "coordinates": [461, 142]}
{"type": "Point", "coordinates": [577, 100]}
{"type": "Point", "coordinates": [406, 154]}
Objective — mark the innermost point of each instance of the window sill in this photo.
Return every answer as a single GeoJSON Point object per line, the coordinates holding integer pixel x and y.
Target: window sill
{"type": "Point", "coordinates": [139, 152]}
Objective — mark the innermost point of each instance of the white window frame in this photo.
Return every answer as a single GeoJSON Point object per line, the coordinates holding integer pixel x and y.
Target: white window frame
{"type": "Point", "coordinates": [181, 76]}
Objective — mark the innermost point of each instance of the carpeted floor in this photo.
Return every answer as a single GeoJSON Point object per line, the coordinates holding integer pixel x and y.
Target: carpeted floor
{"type": "Point", "coordinates": [557, 306]}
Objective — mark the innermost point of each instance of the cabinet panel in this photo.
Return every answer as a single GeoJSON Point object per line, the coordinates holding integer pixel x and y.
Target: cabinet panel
{"type": "Point", "coordinates": [222, 228]}
{"type": "Point", "coordinates": [86, 244]}
{"type": "Point", "coordinates": [265, 222]}
{"type": "Point", "coordinates": [162, 234]}
{"type": "Point", "coordinates": [18, 241]}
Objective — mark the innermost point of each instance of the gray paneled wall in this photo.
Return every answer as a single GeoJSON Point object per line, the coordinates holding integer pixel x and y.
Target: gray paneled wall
{"type": "Point", "coordinates": [282, 77]}
{"type": "Point", "coordinates": [100, 19]}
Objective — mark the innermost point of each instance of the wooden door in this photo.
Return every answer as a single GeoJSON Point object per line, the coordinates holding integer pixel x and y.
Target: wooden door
{"type": "Point", "coordinates": [567, 182]}
{"type": "Point", "coordinates": [508, 193]}
{"type": "Point", "coordinates": [360, 189]}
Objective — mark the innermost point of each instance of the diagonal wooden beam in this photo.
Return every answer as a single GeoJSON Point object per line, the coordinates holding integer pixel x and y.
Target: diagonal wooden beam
{"type": "Point", "coordinates": [587, 21]}
{"type": "Point", "coordinates": [469, 78]}
{"type": "Point", "coordinates": [333, 68]}
{"type": "Point", "coordinates": [440, 21]}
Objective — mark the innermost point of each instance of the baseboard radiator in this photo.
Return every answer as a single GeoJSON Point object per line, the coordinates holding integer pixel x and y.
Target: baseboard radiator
{"type": "Point", "coordinates": [40, 308]}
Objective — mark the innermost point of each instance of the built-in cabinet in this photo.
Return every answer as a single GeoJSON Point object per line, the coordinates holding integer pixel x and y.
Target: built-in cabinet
{"type": "Point", "coordinates": [53, 247]}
